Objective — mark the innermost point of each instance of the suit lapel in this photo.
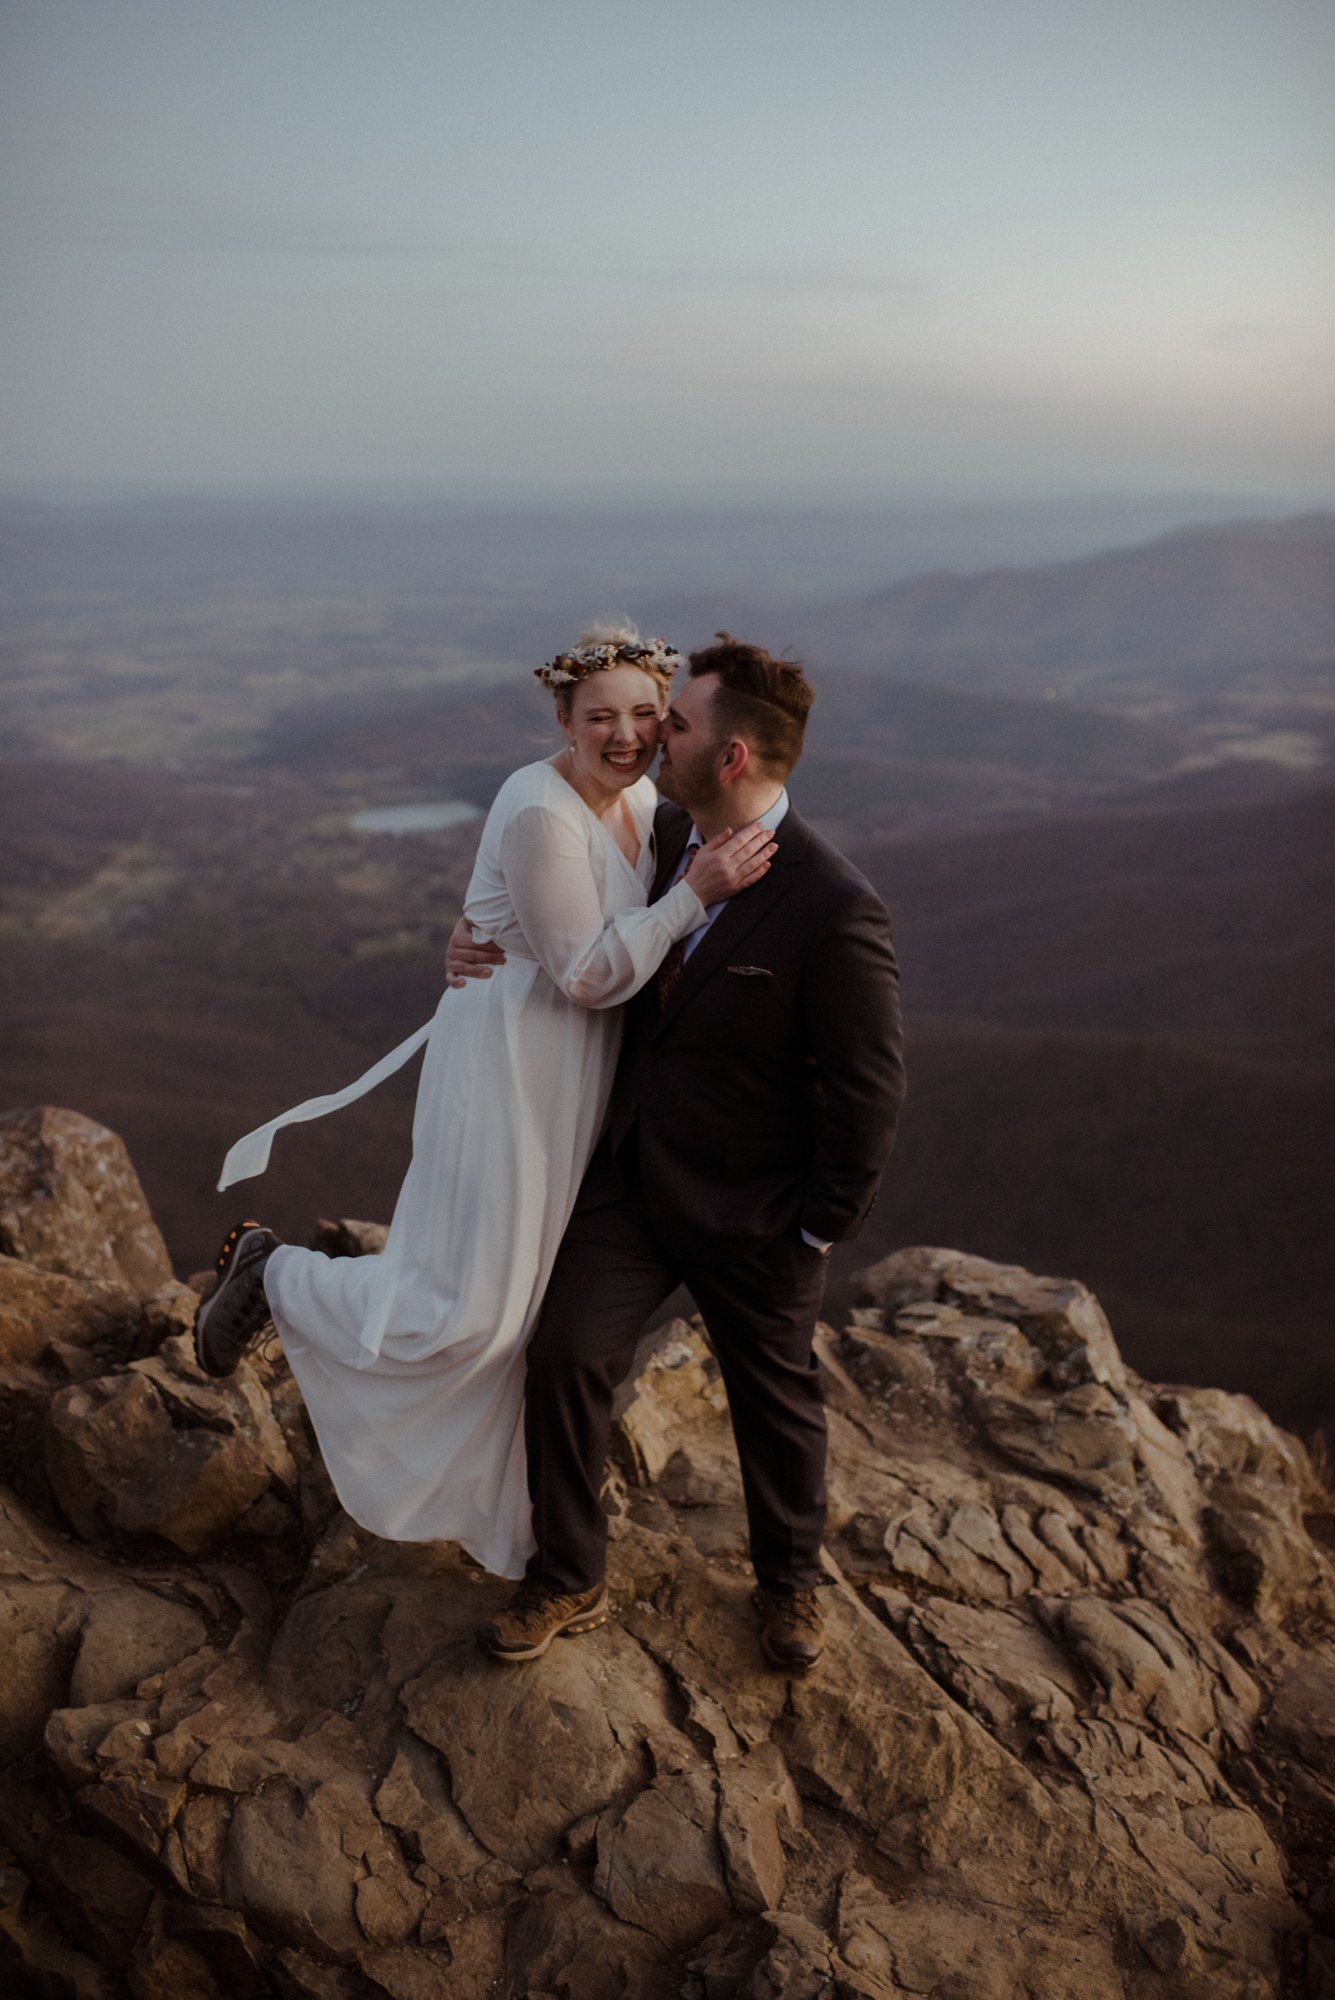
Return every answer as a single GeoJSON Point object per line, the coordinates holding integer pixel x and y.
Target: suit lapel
{"type": "Point", "coordinates": [738, 916]}
{"type": "Point", "coordinates": [671, 828]}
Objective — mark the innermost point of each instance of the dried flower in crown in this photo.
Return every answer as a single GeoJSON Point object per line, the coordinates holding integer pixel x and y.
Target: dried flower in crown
{"type": "Point", "coordinates": [654, 656]}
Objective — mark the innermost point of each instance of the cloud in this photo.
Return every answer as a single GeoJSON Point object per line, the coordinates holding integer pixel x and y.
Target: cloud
{"type": "Point", "coordinates": [148, 223]}
{"type": "Point", "coordinates": [822, 280]}
{"type": "Point", "coordinates": [1234, 333]}
{"type": "Point", "coordinates": [154, 222]}
{"type": "Point", "coordinates": [278, 236]}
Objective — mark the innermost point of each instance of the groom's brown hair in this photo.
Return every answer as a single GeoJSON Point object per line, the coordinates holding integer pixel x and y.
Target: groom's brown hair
{"type": "Point", "coordinates": [760, 698]}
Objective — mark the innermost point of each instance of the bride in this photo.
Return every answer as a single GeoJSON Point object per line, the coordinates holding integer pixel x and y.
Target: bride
{"type": "Point", "coordinates": [412, 1363]}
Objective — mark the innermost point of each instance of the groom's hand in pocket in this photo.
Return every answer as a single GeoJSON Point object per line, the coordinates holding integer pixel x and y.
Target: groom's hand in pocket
{"type": "Point", "coordinates": [467, 957]}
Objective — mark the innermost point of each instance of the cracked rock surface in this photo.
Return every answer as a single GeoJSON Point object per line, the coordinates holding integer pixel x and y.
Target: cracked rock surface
{"type": "Point", "coordinates": [1072, 1737]}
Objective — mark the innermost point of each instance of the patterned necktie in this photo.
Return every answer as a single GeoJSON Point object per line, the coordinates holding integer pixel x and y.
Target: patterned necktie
{"type": "Point", "coordinates": [669, 972]}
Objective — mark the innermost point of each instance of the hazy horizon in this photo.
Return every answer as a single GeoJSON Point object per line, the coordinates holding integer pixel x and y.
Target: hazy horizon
{"type": "Point", "coordinates": [750, 496]}
{"type": "Point", "coordinates": [551, 558]}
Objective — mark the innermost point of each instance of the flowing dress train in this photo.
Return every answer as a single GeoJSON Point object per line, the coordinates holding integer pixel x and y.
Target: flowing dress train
{"type": "Point", "coordinates": [412, 1363]}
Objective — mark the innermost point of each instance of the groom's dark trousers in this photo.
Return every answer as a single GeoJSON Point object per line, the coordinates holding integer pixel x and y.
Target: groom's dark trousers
{"type": "Point", "coordinates": [757, 1099]}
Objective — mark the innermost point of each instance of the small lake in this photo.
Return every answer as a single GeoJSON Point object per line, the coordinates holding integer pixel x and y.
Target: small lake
{"type": "Point", "coordinates": [432, 817]}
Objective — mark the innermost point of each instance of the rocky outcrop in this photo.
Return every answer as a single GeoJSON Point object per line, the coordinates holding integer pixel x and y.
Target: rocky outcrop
{"type": "Point", "coordinates": [1073, 1737]}
{"type": "Point", "coordinates": [70, 1202]}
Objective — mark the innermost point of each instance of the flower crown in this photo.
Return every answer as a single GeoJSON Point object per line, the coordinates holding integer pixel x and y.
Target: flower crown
{"type": "Point", "coordinates": [654, 656]}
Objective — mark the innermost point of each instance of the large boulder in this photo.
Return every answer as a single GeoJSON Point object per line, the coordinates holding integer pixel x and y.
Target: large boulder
{"type": "Point", "coordinates": [56, 1331]}
{"type": "Point", "coordinates": [42, 1311]}
{"type": "Point", "coordinates": [70, 1202]}
{"type": "Point", "coordinates": [159, 1449]}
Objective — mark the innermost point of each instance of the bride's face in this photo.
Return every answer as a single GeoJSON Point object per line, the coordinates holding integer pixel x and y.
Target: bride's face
{"type": "Point", "coordinates": [612, 727]}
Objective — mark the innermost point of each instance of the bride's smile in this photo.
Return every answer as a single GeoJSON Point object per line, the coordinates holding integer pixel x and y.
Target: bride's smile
{"type": "Point", "coordinates": [611, 727]}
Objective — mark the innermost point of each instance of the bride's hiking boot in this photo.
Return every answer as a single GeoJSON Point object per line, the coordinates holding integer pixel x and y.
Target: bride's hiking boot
{"type": "Point", "coordinates": [535, 1616]}
{"type": "Point", "coordinates": [236, 1310]}
{"type": "Point", "coordinates": [792, 1629]}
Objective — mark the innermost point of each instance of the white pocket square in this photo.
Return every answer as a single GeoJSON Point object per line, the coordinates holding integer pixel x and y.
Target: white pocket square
{"type": "Point", "coordinates": [751, 971]}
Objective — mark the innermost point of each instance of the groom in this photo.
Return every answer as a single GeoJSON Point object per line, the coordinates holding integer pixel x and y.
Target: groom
{"type": "Point", "coordinates": [752, 1114]}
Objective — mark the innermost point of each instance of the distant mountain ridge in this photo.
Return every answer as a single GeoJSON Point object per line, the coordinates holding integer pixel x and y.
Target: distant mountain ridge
{"type": "Point", "coordinates": [1247, 592]}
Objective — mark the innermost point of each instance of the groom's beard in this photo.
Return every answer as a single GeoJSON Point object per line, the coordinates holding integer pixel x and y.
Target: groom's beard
{"type": "Point", "coordinates": [666, 784]}
{"type": "Point", "coordinates": [694, 791]}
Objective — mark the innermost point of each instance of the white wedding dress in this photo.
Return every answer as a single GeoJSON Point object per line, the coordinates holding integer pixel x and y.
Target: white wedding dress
{"type": "Point", "coordinates": [412, 1363]}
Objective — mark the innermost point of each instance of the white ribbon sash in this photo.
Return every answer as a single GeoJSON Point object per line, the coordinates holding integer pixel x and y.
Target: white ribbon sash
{"type": "Point", "coordinates": [250, 1156]}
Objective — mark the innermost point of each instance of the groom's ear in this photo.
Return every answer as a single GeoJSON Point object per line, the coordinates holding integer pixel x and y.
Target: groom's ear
{"type": "Point", "coordinates": [735, 760]}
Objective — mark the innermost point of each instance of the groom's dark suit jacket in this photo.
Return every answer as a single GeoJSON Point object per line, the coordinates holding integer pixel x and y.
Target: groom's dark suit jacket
{"type": "Point", "coordinates": [762, 1095]}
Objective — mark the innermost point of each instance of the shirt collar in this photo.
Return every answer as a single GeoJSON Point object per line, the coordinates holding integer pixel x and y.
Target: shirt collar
{"type": "Point", "coordinates": [769, 819]}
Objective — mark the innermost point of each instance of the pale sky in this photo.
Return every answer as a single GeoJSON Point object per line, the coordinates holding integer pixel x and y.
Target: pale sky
{"type": "Point", "coordinates": [967, 246]}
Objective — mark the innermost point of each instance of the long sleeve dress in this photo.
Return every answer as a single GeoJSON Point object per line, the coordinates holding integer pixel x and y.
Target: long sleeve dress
{"type": "Point", "coordinates": [412, 1363]}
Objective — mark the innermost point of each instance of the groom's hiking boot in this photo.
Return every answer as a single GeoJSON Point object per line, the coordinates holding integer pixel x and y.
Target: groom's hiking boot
{"type": "Point", "coordinates": [535, 1616]}
{"type": "Point", "coordinates": [792, 1630]}
{"type": "Point", "coordinates": [236, 1310]}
